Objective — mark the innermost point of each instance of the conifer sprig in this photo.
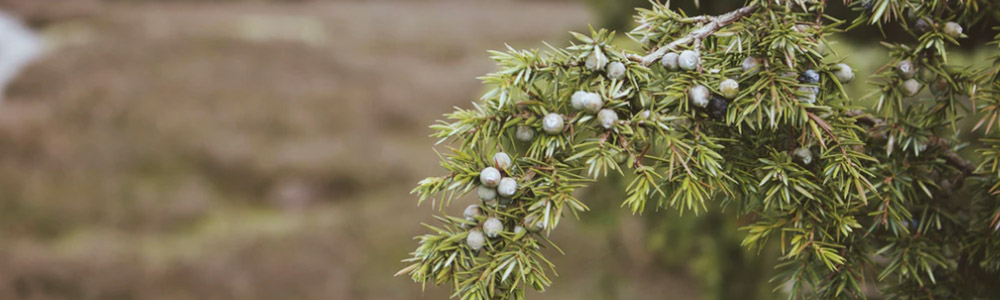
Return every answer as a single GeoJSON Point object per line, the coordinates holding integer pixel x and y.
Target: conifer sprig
{"type": "Point", "coordinates": [854, 199]}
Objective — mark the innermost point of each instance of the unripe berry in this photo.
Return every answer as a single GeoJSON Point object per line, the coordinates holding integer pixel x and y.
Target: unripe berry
{"type": "Point", "coordinates": [729, 88]}
{"type": "Point", "coordinates": [489, 177]}
{"type": "Point", "coordinates": [717, 107]}
{"type": "Point", "coordinates": [592, 102]}
{"type": "Point", "coordinates": [688, 60]}
{"type": "Point", "coordinates": [507, 187]}
{"type": "Point", "coordinates": [809, 76]}
{"type": "Point", "coordinates": [911, 87]}
{"type": "Point", "coordinates": [804, 155]}
{"type": "Point", "coordinates": [596, 61]}
{"type": "Point", "coordinates": [502, 160]}
{"type": "Point", "coordinates": [807, 94]}
{"type": "Point", "coordinates": [577, 99]}
{"type": "Point", "coordinates": [906, 69]}
{"type": "Point", "coordinates": [616, 70]}
{"type": "Point", "coordinates": [952, 29]}
{"type": "Point", "coordinates": [821, 48]}
{"type": "Point", "coordinates": [607, 118]}
{"type": "Point", "coordinates": [946, 186]}
{"type": "Point", "coordinates": [621, 157]}
{"type": "Point", "coordinates": [926, 74]}
{"type": "Point", "coordinates": [939, 86]}
{"type": "Point", "coordinates": [669, 61]}
{"type": "Point", "coordinates": [505, 201]}
{"type": "Point", "coordinates": [698, 95]}
{"type": "Point", "coordinates": [486, 193]}
{"type": "Point", "coordinates": [492, 227]}
{"type": "Point", "coordinates": [751, 64]}
{"type": "Point", "coordinates": [472, 211]}
{"type": "Point", "coordinates": [844, 73]}
{"type": "Point", "coordinates": [552, 124]}
{"type": "Point", "coordinates": [475, 240]}
{"type": "Point", "coordinates": [524, 133]}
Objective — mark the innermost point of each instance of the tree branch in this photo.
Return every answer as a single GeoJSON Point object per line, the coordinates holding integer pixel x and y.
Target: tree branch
{"type": "Point", "coordinates": [715, 23]}
{"type": "Point", "coordinates": [965, 166]}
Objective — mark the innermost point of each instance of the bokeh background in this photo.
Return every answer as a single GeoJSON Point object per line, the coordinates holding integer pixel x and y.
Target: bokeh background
{"type": "Point", "coordinates": [266, 150]}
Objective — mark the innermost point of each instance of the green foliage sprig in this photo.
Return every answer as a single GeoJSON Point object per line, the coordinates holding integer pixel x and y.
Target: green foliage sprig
{"type": "Point", "coordinates": [854, 199]}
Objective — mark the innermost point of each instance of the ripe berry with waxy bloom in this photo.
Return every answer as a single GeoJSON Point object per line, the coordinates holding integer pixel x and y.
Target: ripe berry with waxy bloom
{"type": "Point", "coordinates": [844, 73]}
{"type": "Point", "coordinates": [475, 240]}
{"type": "Point", "coordinates": [729, 88]}
{"type": "Point", "coordinates": [688, 60]}
{"type": "Point", "coordinates": [922, 25]}
{"type": "Point", "coordinates": [524, 133]}
{"type": "Point", "coordinates": [607, 118]}
{"type": "Point", "coordinates": [577, 99]}
{"type": "Point", "coordinates": [592, 102]}
{"type": "Point", "coordinates": [807, 94]}
{"type": "Point", "coordinates": [489, 177]}
{"type": "Point", "coordinates": [643, 115]}
{"type": "Point", "coordinates": [492, 227]}
{"type": "Point", "coordinates": [953, 29]}
{"type": "Point", "coordinates": [669, 61]}
{"type": "Point", "coordinates": [906, 69]}
{"type": "Point", "coordinates": [518, 230]}
{"type": "Point", "coordinates": [486, 193]}
{"type": "Point", "coordinates": [472, 211]}
{"type": "Point", "coordinates": [615, 70]}
{"type": "Point", "coordinates": [596, 61]}
{"type": "Point", "coordinates": [809, 76]}
{"type": "Point", "coordinates": [699, 95]}
{"type": "Point", "coordinates": [507, 187]}
{"type": "Point", "coordinates": [751, 64]}
{"type": "Point", "coordinates": [804, 155]}
{"type": "Point", "coordinates": [911, 87]}
{"type": "Point", "coordinates": [501, 160]}
{"type": "Point", "coordinates": [552, 124]}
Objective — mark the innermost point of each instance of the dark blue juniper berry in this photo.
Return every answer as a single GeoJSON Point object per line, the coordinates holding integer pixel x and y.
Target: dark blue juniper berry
{"type": "Point", "coordinates": [717, 107]}
{"type": "Point", "coordinates": [809, 76]}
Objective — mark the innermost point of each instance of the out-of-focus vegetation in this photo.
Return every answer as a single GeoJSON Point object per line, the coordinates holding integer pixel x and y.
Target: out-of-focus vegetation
{"type": "Point", "coordinates": [232, 150]}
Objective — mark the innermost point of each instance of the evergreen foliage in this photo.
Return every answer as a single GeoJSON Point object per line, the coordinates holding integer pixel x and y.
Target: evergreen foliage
{"type": "Point", "coordinates": [860, 201]}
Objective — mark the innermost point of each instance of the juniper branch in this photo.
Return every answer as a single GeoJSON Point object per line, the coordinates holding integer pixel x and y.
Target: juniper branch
{"type": "Point", "coordinates": [700, 33]}
{"type": "Point", "coordinates": [954, 159]}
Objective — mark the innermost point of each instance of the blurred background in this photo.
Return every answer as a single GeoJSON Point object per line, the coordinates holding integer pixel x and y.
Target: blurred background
{"type": "Point", "coordinates": [266, 150]}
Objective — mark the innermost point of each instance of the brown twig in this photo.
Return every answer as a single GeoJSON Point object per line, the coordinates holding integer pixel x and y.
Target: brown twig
{"type": "Point", "coordinates": [714, 24]}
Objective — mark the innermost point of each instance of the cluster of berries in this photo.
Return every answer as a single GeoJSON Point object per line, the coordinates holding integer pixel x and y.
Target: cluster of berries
{"type": "Point", "coordinates": [911, 86]}
{"type": "Point", "coordinates": [591, 102]}
{"type": "Point", "coordinates": [699, 95]}
{"type": "Point", "coordinates": [493, 187]}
